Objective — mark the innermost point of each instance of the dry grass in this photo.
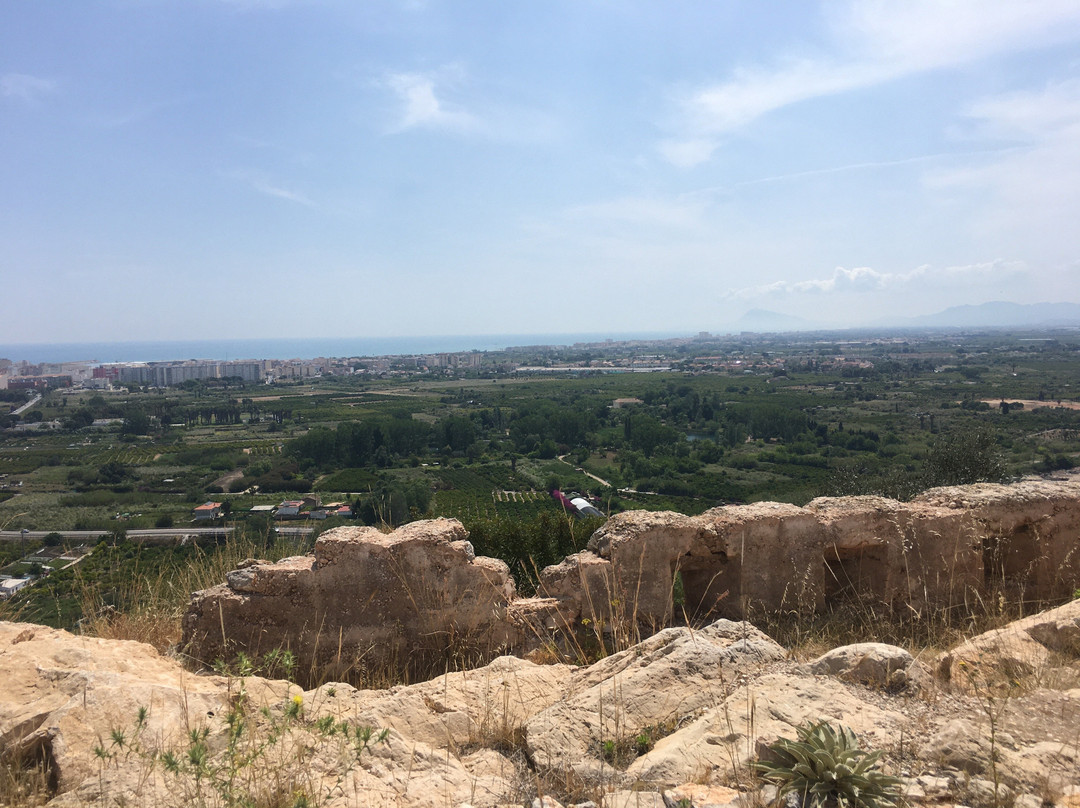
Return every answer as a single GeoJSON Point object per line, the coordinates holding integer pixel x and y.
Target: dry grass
{"type": "Point", "coordinates": [159, 602]}
{"type": "Point", "coordinates": [26, 780]}
{"type": "Point", "coordinates": [807, 634]}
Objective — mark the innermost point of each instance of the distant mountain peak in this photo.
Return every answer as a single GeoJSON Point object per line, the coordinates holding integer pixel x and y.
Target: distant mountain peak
{"type": "Point", "coordinates": [1001, 314]}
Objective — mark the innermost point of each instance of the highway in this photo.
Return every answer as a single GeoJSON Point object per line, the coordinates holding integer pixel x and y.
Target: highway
{"type": "Point", "coordinates": [134, 535]}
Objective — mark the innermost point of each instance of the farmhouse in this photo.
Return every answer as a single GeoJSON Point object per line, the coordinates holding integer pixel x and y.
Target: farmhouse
{"type": "Point", "coordinates": [208, 510]}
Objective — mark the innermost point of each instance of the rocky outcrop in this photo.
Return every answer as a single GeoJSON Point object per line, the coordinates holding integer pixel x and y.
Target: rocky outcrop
{"type": "Point", "coordinates": [673, 720]}
{"type": "Point", "coordinates": [649, 688]}
{"type": "Point", "coordinates": [418, 596]}
{"type": "Point", "coordinates": [1041, 642]}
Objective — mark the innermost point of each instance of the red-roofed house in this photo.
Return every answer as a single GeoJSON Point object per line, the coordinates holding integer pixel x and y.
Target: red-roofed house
{"type": "Point", "coordinates": [208, 510]}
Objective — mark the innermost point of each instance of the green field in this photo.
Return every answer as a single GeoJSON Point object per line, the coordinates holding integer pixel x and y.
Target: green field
{"type": "Point", "coordinates": [737, 420]}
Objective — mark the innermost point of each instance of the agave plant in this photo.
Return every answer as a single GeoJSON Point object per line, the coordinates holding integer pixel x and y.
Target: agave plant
{"type": "Point", "coordinates": [826, 768]}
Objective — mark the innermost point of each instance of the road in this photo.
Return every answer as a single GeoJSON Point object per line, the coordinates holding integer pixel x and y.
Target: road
{"type": "Point", "coordinates": [27, 405]}
{"type": "Point", "coordinates": [294, 531]}
{"type": "Point", "coordinates": [134, 535]}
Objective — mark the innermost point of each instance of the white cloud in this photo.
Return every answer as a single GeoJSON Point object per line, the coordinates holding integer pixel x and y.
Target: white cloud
{"type": "Point", "coordinates": [924, 34]}
{"type": "Point", "coordinates": [862, 280]}
{"type": "Point", "coordinates": [1032, 115]}
{"type": "Point", "coordinates": [872, 41]}
{"type": "Point", "coordinates": [28, 88]}
{"type": "Point", "coordinates": [422, 108]}
{"type": "Point", "coordinates": [1032, 190]}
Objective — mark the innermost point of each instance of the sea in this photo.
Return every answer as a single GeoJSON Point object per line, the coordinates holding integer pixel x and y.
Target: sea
{"type": "Point", "coordinates": [306, 348]}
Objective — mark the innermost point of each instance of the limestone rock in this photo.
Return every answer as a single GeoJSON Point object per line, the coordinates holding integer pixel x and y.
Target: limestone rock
{"type": "Point", "coordinates": [1020, 649]}
{"type": "Point", "coordinates": [414, 597]}
{"type": "Point", "coordinates": [507, 732]}
{"type": "Point", "coordinates": [871, 663]}
{"type": "Point", "coordinates": [626, 798]}
{"type": "Point", "coordinates": [657, 683]}
{"type": "Point", "coordinates": [63, 695]}
{"type": "Point", "coordinates": [960, 745]}
{"type": "Point", "coordinates": [486, 707]}
{"type": "Point", "coordinates": [723, 739]}
{"type": "Point", "coordinates": [701, 796]}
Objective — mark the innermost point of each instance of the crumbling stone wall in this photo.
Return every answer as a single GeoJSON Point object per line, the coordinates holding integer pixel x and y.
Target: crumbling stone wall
{"type": "Point", "coordinates": [363, 599]}
{"type": "Point", "coordinates": [368, 598]}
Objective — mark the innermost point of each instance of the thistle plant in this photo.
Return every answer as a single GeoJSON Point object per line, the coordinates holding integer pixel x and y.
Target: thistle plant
{"type": "Point", "coordinates": [826, 768]}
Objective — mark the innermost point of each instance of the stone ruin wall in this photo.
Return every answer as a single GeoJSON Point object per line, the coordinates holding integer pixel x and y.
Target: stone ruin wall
{"type": "Point", "coordinates": [365, 598]}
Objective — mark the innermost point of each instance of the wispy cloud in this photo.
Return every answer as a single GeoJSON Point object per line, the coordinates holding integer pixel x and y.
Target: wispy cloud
{"type": "Point", "coordinates": [258, 182]}
{"type": "Point", "coordinates": [683, 212]}
{"type": "Point", "coordinates": [421, 106]}
{"type": "Point", "coordinates": [906, 161]}
{"type": "Point", "coordinates": [860, 280]}
{"type": "Point", "coordinates": [1032, 116]}
{"type": "Point", "coordinates": [25, 87]}
{"type": "Point", "coordinates": [872, 41]}
{"type": "Point", "coordinates": [1034, 188]}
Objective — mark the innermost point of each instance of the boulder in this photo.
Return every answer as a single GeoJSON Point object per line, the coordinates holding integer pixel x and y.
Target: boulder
{"type": "Point", "coordinates": [65, 695]}
{"type": "Point", "coordinates": [1021, 649]}
{"type": "Point", "coordinates": [485, 707]}
{"type": "Point", "coordinates": [719, 744]}
{"type": "Point", "coordinates": [871, 663]}
{"type": "Point", "coordinates": [650, 688]}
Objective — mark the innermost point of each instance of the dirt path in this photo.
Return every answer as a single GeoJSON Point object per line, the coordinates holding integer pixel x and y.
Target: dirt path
{"type": "Point", "coordinates": [226, 480]}
{"type": "Point", "coordinates": [600, 480]}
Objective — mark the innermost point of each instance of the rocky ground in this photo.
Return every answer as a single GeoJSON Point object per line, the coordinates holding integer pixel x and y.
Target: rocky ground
{"type": "Point", "coordinates": [672, 721]}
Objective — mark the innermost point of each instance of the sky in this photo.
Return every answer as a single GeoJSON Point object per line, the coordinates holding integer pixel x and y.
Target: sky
{"type": "Point", "coordinates": [195, 169]}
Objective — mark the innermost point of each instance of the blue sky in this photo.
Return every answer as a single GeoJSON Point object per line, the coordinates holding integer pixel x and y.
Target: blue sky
{"type": "Point", "coordinates": [261, 168]}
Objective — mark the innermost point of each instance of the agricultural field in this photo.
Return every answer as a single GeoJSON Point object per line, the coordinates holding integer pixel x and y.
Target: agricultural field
{"type": "Point", "coordinates": [732, 421]}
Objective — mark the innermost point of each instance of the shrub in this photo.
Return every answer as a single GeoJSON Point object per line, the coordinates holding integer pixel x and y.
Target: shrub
{"type": "Point", "coordinates": [826, 767]}
{"type": "Point", "coordinates": [964, 457]}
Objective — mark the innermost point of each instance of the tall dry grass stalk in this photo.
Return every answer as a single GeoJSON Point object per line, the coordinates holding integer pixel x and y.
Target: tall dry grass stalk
{"type": "Point", "coordinates": [156, 602]}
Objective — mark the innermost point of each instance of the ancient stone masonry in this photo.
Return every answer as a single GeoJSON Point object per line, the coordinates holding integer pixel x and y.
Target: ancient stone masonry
{"type": "Point", "coordinates": [939, 550]}
{"type": "Point", "coordinates": [366, 597]}
{"type": "Point", "coordinates": [363, 598]}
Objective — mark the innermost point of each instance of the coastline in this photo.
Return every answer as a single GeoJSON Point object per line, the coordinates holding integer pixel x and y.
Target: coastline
{"type": "Point", "coordinates": [300, 348]}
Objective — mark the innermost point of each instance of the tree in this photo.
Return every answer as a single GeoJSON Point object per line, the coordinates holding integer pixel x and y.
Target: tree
{"type": "Point", "coordinates": [964, 457]}
{"type": "Point", "coordinates": [113, 472]}
{"type": "Point", "coordinates": [136, 422]}
{"type": "Point", "coordinates": [81, 417]}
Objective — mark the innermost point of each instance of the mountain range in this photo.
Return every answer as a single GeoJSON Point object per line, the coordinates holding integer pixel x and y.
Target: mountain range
{"type": "Point", "coordinates": [996, 314]}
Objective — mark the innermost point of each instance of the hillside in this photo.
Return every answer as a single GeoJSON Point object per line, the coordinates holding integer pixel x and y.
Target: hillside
{"type": "Point", "coordinates": [673, 720]}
